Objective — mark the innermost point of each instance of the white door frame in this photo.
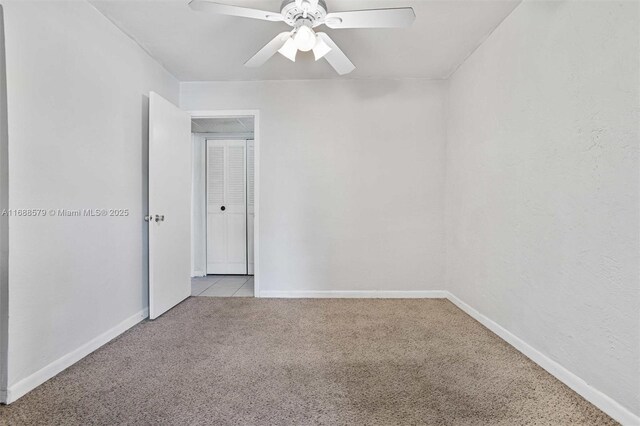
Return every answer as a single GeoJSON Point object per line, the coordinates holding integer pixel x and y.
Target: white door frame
{"type": "Point", "coordinates": [256, 188]}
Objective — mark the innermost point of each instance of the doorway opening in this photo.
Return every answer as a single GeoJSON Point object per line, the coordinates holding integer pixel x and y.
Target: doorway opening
{"type": "Point", "coordinates": [224, 204]}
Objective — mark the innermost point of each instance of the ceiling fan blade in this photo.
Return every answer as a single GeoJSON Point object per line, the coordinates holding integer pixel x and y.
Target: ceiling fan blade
{"type": "Point", "coordinates": [268, 51]}
{"type": "Point", "coordinates": [336, 57]}
{"type": "Point", "coordinates": [225, 9]}
{"type": "Point", "coordinates": [372, 18]}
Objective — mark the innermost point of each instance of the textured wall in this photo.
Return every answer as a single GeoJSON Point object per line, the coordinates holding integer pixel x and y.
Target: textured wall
{"type": "Point", "coordinates": [351, 180]}
{"type": "Point", "coordinates": [542, 186]}
{"type": "Point", "coordinates": [77, 100]}
{"type": "Point", "coordinates": [4, 220]}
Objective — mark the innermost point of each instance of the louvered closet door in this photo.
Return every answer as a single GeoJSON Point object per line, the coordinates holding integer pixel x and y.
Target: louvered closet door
{"type": "Point", "coordinates": [226, 207]}
{"type": "Point", "coordinates": [250, 208]}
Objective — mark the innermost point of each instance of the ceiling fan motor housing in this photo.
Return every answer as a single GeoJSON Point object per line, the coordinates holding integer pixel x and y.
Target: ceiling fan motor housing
{"type": "Point", "coordinates": [292, 12]}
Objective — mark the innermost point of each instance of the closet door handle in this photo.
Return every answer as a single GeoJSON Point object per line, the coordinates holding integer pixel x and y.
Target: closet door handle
{"type": "Point", "coordinates": [223, 208]}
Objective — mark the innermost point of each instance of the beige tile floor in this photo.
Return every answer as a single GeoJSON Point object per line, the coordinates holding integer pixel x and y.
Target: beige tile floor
{"type": "Point", "coordinates": [222, 286]}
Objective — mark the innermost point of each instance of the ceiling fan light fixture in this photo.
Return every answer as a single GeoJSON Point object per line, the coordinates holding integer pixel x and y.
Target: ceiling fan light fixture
{"type": "Point", "coordinates": [303, 16]}
{"type": "Point", "coordinates": [289, 50]}
{"type": "Point", "coordinates": [305, 38]}
{"type": "Point", "coordinates": [321, 48]}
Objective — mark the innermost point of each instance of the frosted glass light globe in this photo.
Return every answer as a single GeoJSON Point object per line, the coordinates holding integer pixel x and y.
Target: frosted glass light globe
{"type": "Point", "coordinates": [289, 50]}
{"type": "Point", "coordinates": [305, 38]}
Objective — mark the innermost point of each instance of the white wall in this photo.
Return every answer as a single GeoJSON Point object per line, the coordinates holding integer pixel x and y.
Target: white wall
{"type": "Point", "coordinates": [351, 181]}
{"type": "Point", "coordinates": [77, 100]}
{"type": "Point", "coordinates": [4, 220]}
{"type": "Point", "coordinates": [542, 186]}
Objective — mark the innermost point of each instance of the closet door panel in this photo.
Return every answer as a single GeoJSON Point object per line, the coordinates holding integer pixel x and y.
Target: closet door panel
{"type": "Point", "coordinates": [226, 216]}
{"type": "Point", "coordinates": [250, 205]}
{"type": "Point", "coordinates": [216, 246]}
{"type": "Point", "coordinates": [236, 210]}
{"type": "Point", "coordinates": [236, 247]}
{"type": "Point", "coordinates": [216, 219]}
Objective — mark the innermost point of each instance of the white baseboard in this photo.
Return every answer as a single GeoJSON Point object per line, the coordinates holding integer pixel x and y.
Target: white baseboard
{"type": "Point", "coordinates": [360, 294]}
{"type": "Point", "coordinates": [29, 383]}
{"type": "Point", "coordinates": [591, 394]}
{"type": "Point", "coordinates": [198, 274]}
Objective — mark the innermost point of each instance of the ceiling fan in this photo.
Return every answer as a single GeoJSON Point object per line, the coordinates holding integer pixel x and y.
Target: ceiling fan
{"type": "Point", "coordinates": [303, 16]}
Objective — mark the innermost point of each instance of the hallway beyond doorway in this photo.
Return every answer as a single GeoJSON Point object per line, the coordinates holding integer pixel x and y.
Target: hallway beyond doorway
{"type": "Point", "coordinates": [222, 286]}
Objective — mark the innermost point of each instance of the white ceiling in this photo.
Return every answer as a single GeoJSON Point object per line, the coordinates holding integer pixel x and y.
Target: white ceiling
{"type": "Point", "coordinates": [222, 125]}
{"type": "Point", "coordinates": [196, 46]}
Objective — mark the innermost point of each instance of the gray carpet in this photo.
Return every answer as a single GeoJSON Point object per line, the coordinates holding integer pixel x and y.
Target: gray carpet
{"type": "Point", "coordinates": [334, 362]}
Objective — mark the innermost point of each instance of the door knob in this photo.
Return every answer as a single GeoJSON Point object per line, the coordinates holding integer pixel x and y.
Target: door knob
{"type": "Point", "coordinates": [159, 218]}
{"type": "Point", "coordinates": [223, 208]}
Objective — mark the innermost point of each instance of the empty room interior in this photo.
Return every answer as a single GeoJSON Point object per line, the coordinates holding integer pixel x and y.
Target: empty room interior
{"type": "Point", "coordinates": [320, 212]}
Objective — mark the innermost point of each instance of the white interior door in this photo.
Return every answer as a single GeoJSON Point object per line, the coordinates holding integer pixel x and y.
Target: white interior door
{"type": "Point", "coordinates": [226, 207]}
{"type": "Point", "coordinates": [169, 205]}
{"type": "Point", "coordinates": [250, 204]}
